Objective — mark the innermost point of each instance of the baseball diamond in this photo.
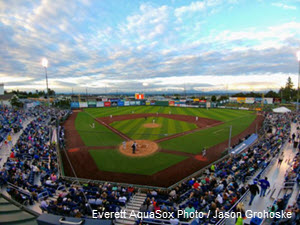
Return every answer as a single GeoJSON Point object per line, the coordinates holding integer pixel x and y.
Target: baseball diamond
{"type": "Point", "coordinates": [175, 145]}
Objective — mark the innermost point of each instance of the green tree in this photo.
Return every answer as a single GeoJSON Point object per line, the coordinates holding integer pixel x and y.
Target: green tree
{"type": "Point", "coordinates": [222, 98]}
{"type": "Point", "coordinates": [213, 98]}
{"type": "Point", "coordinates": [15, 101]}
{"type": "Point", "coordinates": [287, 92]}
{"type": "Point", "coordinates": [271, 94]}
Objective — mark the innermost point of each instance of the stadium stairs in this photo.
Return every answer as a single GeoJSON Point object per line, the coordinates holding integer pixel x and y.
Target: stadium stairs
{"type": "Point", "coordinates": [133, 205]}
{"type": "Point", "coordinates": [12, 214]}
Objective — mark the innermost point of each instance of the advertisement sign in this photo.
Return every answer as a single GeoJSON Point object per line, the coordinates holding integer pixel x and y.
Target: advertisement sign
{"type": "Point", "coordinates": [114, 104]}
{"type": "Point", "coordinates": [268, 100]}
{"type": "Point", "coordinates": [92, 104]}
{"type": "Point", "coordinates": [241, 99]}
{"type": "Point", "coordinates": [83, 104]}
{"type": "Point", "coordinates": [171, 103]}
{"type": "Point", "coordinates": [120, 103]}
{"type": "Point", "coordinates": [202, 101]}
{"type": "Point", "coordinates": [132, 102]}
{"type": "Point", "coordinates": [148, 102]}
{"type": "Point", "coordinates": [139, 96]}
{"type": "Point", "coordinates": [143, 102]}
{"type": "Point", "coordinates": [126, 103]}
{"type": "Point", "coordinates": [107, 104]}
{"type": "Point", "coordinates": [74, 105]}
{"type": "Point", "coordinates": [233, 99]}
{"type": "Point", "coordinates": [258, 100]}
{"type": "Point", "coordinates": [250, 100]}
{"type": "Point", "coordinates": [152, 102]}
{"type": "Point", "coordinates": [196, 99]}
{"type": "Point", "coordinates": [100, 104]}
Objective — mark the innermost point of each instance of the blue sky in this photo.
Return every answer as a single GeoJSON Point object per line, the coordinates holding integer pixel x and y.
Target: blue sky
{"type": "Point", "coordinates": [208, 45]}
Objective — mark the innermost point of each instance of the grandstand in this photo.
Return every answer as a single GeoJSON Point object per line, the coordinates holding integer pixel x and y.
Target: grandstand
{"type": "Point", "coordinates": [32, 184]}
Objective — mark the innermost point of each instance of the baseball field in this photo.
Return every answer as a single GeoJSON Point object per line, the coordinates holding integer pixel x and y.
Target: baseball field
{"type": "Point", "coordinates": [169, 141]}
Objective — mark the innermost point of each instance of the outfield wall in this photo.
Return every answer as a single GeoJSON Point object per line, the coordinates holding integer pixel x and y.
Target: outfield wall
{"type": "Point", "coordinates": [120, 103]}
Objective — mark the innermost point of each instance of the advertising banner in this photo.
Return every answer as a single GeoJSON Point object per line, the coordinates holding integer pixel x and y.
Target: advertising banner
{"type": "Point", "coordinates": [126, 103]}
{"type": "Point", "coordinates": [171, 103]}
{"type": "Point", "coordinates": [137, 103]}
{"type": "Point", "coordinates": [162, 103]}
{"type": "Point", "coordinates": [100, 104]}
{"type": "Point", "coordinates": [114, 104]}
{"type": "Point", "coordinates": [107, 104]}
{"type": "Point", "coordinates": [152, 102]}
{"type": "Point", "coordinates": [92, 104]}
{"type": "Point", "coordinates": [143, 102]}
{"type": "Point", "coordinates": [148, 103]}
{"type": "Point", "coordinates": [202, 101]}
{"type": "Point", "coordinates": [121, 103]}
{"type": "Point", "coordinates": [196, 99]}
{"type": "Point", "coordinates": [268, 100]}
{"type": "Point", "coordinates": [74, 105]}
{"type": "Point", "coordinates": [258, 100]}
{"type": "Point", "coordinates": [233, 99]}
{"type": "Point", "coordinates": [83, 104]}
{"type": "Point", "coordinates": [250, 100]}
{"type": "Point", "coordinates": [241, 99]}
{"type": "Point", "coordinates": [132, 102]}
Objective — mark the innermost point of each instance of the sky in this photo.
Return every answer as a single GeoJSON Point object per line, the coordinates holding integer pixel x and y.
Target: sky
{"type": "Point", "coordinates": [147, 46]}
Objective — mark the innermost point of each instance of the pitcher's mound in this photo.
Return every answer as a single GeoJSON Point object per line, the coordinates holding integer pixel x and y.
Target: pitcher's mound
{"type": "Point", "coordinates": [143, 148]}
{"type": "Point", "coordinates": [152, 125]}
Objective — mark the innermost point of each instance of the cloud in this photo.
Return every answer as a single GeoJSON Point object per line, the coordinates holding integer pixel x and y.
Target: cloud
{"type": "Point", "coordinates": [284, 6]}
{"type": "Point", "coordinates": [91, 44]}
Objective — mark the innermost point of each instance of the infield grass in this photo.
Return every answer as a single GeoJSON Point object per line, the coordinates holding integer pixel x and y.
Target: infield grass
{"type": "Point", "coordinates": [113, 161]}
{"type": "Point", "coordinates": [135, 129]}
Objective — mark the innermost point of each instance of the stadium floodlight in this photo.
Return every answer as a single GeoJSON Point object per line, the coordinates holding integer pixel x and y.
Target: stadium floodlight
{"type": "Point", "coordinates": [45, 65]}
{"type": "Point", "coordinates": [45, 62]}
{"type": "Point", "coordinates": [298, 58]}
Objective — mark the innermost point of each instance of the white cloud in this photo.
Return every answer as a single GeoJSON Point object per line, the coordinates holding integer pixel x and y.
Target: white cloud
{"type": "Point", "coordinates": [284, 6]}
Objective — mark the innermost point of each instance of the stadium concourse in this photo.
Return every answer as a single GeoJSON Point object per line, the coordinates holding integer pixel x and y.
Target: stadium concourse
{"type": "Point", "coordinates": [30, 175]}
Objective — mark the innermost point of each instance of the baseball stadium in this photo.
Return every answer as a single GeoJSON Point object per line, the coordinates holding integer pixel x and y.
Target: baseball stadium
{"type": "Point", "coordinates": [150, 112]}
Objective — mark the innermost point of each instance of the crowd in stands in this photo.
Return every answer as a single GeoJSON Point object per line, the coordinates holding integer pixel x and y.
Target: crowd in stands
{"type": "Point", "coordinates": [10, 121]}
{"type": "Point", "coordinates": [33, 168]}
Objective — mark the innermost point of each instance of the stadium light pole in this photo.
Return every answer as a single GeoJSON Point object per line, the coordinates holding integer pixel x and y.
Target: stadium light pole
{"type": "Point", "coordinates": [298, 58]}
{"type": "Point", "coordinates": [45, 65]}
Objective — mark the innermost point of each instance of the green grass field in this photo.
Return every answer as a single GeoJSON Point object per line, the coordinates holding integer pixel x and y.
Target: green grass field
{"type": "Point", "coordinates": [135, 129]}
{"type": "Point", "coordinates": [114, 161]}
{"type": "Point", "coordinates": [98, 136]}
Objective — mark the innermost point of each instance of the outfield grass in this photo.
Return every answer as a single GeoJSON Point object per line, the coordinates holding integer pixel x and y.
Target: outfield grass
{"type": "Point", "coordinates": [194, 143]}
{"type": "Point", "coordinates": [217, 114]}
{"type": "Point", "coordinates": [98, 136]}
{"type": "Point", "coordinates": [134, 128]}
{"type": "Point", "coordinates": [114, 161]}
